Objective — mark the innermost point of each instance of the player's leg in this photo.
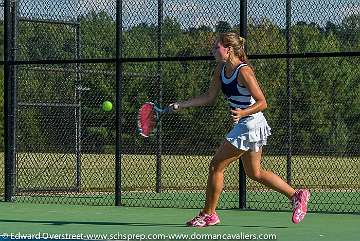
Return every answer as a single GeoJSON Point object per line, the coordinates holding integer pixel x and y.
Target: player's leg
{"type": "Point", "coordinates": [252, 166]}
{"type": "Point", "coordinates": [225, 155]}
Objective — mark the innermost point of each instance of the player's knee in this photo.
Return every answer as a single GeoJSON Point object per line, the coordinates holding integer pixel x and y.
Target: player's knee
{"type": "Point", "coordinates": [254, 175]}
{"type": "Point", "coordinates": [214, 167]}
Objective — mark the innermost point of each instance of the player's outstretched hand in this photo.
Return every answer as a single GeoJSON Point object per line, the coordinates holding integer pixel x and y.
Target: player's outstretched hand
{"type": "Point", "coordinates": [174, 106]}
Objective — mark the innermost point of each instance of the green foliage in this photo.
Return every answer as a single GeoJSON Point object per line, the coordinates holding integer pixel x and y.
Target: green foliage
{"type": "Point", "coordinates": [350, 32]}
{"type": "Point", "coordinates": [97, 34]}
{"type": "Point", "coordinates": [1, 40]}
{"type": "Point", "coordinates": [1, 85]}
{"type": "Point", "coordinates": [222, 27]}
{"type": "Point", "coordinates": [325, 92]}
{"type": "Point", "coordinates": [2, 108]}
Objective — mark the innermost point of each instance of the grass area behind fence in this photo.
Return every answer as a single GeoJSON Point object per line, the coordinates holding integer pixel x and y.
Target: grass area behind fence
{"type": "Point", "coordinates": [333, 181]}
{"type": "Point", "coordinates": [178, 172]}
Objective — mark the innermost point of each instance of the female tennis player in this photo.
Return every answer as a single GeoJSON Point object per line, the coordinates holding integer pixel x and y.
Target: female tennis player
{"type": "Point", "coordinates": [235, 77]}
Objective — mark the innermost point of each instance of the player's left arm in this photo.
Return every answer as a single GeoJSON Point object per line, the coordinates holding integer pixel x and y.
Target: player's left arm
{"type": "Point", "coordinates": [247, 78]}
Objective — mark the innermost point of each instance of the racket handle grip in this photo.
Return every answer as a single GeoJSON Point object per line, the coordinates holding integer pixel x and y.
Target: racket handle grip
{"type": "Point", "coordinates": [166, 110]}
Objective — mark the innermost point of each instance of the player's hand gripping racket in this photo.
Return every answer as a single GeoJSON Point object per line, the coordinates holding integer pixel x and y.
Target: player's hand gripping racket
{"type": "Point", "coordinates": [149, 116]}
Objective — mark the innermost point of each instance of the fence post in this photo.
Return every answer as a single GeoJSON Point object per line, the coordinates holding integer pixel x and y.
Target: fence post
{"type": "Point", "coordinates": [78, 90]}
{"type": "Point", "coordinates": [10, 25]}
{"type": "Point", "coordinates": [119, 89]}
{"type": "Point", "coordinates": [242, 176]}
{"type": "Point", "coordinates": [159, 85]}
{"type": "Point", "coordinates": [288, 80]}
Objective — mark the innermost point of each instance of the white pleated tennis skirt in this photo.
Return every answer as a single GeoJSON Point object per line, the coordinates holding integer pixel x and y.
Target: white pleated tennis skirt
{"type": "Point", "coordinates": [250, 133]}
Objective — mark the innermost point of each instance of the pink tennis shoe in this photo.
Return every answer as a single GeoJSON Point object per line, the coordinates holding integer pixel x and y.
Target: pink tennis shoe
{"type": "Point", "coordinates": [300, 201]}
{"type": "Point", "coordinates": [203, 220]}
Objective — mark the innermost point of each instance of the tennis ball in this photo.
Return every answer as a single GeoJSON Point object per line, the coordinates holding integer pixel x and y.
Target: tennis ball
{"type": "Point", "coordinates": [107, 106]}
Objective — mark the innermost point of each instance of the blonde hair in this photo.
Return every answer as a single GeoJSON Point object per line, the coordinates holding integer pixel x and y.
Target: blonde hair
{"type": "Point", "coordinates": [236, 42]}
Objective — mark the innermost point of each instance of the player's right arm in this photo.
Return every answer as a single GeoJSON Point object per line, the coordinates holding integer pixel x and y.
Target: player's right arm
{"type": "Point", "coordinates": [207, 98]}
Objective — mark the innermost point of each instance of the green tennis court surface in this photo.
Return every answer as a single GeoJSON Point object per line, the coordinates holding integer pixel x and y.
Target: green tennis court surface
{"type": "Point", "coordinates": [114, 222]}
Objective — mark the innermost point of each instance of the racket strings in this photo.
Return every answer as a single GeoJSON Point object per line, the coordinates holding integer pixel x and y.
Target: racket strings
{"type": "Point", "coordinates": [147, 119]}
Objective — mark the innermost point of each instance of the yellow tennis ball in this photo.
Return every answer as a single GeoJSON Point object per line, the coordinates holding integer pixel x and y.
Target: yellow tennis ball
{"type": "Point", "coordinates": [107, 106]}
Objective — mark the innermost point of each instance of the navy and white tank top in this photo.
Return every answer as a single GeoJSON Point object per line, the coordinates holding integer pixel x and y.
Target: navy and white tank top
{"type": "Point", "coordinates": [237, 95]}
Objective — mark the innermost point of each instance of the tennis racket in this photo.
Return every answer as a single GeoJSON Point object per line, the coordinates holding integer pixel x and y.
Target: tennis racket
{"type": "Point", "coordinates": [148, 117]}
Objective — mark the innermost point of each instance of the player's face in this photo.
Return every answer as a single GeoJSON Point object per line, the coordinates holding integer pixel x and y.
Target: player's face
{"type": "Point", "coordinates": [220, 52]}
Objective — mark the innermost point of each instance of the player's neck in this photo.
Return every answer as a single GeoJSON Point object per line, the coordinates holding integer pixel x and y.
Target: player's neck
{"type": "Point", "coordinates": [232, 64]}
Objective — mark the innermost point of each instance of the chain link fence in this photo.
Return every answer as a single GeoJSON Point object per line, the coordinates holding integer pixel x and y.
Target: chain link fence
{"type": "Point", "coordinates": [65, 146]}
{"type": "Point", "coordinates": [2, 172]}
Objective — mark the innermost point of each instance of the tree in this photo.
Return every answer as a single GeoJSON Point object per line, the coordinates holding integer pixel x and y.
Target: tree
{"type": "Point", "coordinates": [350, 32]}
{"type": "Point", "coordinates": [325, 92]}
{"type": "Point", "coordinates": [2, 85]}
{"type": "Point", "coordinates": [222, 27]}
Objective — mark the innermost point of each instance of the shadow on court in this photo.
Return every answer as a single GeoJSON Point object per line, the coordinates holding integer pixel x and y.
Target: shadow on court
{"type": "Point", "coordinates": [139, 224]}
{"type": "Point", "coordinates": [91, 223]}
